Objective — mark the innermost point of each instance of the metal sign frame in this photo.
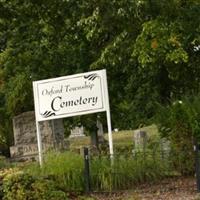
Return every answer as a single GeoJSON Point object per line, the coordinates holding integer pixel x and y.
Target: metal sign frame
{"type": "Point", "coordinates": [69, 96]}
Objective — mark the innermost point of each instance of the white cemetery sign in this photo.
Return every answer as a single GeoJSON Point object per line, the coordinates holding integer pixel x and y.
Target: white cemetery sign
{"type": "Point", "coordinates": [69, 96]}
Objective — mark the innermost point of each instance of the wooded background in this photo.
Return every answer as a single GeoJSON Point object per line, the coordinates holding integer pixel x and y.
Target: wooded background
{"type": "Point", "coordinates": [150, 49]}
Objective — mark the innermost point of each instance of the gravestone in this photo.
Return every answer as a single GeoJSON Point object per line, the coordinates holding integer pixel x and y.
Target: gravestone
{"type": "Point", "coordinates": [165, 147]}
{"type": "Point", "coordinates": [140, 139]}
{"type": "Point", "coordinates": [25, 139]}
{"type": "Point", "coordinates": [77, 132]}
{"type": "Point", "coordinates": [100, 132]}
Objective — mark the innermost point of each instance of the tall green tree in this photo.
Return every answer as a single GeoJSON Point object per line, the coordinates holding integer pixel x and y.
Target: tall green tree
{"type": "Point", "coordinates": [149, 48]}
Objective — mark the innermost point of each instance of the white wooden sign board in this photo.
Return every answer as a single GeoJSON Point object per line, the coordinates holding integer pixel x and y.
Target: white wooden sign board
{"type": "Point", "coordinates": [69, 96]}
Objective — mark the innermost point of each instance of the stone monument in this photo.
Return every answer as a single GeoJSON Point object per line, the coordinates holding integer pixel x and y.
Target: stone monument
{"type": "Point", "coordinates": [100, 132]}
{"type": "Point", "coordinates": [25, 140]}
{"type": "Point", "coordinates": [140, 139]}
{"type": "Point", "coordinates": [165, 147]}
{"type": "Point", "coordinates": [77, 132]}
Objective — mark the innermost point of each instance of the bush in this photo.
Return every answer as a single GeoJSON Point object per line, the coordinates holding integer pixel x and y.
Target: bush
{"type": "Point", "coordinates": [180, 123]}
{"type": "Point", "coordinates": [3, 174]}
{"type": "Point", "coordinates": [22, 186]}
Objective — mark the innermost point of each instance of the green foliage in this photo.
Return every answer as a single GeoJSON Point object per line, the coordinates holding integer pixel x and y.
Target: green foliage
{"type": "Point", "coordinates": [18, 97]}
{"type": "Point", "coordinates": [182, 116]}
{"type": "Point", "coordinates": [4, 163]}
{"type": "Point", "coordinates": [3, 173]}
{"type": "Point", "coordinates": [21, 186]}
{"type": "Point", "coordinates": [164, 56]}
{"type": "Point", "coordinates": [147, 48]}
{"type": "Point", "coordinates": [179, 122]}
{"type": "Point", "coordinates": [66, 169]}
{"type": "Point", "coordinates": [85, 198]}
{"type": "Point", "coordinates": [18, 183]}
{"type": "Point", "coordinates": [127, 170]}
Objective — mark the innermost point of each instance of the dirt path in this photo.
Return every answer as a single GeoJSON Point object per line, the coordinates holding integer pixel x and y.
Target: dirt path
{"type": "Point", "coordinates": [171, 189]}
{"type": "Point", "coordinates": [168, 189]}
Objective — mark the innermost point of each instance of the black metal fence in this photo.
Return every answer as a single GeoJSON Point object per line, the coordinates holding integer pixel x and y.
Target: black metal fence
{"type": "Point", "coordinates": [127, 171]}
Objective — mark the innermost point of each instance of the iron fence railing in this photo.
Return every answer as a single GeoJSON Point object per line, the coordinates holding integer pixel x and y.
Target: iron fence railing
{"type": "Point", "coordinates": [127, 170]}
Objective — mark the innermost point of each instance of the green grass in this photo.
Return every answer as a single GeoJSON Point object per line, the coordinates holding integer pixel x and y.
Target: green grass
{"type": "Point", "coordinates": [79, 142]}
{"type": "Point", "coordinates": [127, 170]}
{"type": "Point", "coordinates": [121, 138]}
{"type": "Point", "coordinates": [66, 168]}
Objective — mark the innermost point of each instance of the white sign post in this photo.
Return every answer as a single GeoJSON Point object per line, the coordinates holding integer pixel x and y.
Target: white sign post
{"type": "Point", "coordinates": [69, 96]}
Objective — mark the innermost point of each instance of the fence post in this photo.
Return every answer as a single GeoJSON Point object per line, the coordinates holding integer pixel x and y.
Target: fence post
{"type": "Point", "coordinates": [197, 166]}
{"type": "Point", "coordinates": [86, 170]}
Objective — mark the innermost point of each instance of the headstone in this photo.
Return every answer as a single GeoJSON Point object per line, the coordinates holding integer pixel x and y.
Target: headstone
{"type": "Point", "coordinates": [140, 139]}
{"type": "Point", "coordinates": [95, 140]}
{"type": "Point", "coordinates": [165, 144]}
{"type": "Point", "coordinates": [25, 140]}
{"type": "Point", "coordinates": [100, 131]}
{"type": "Point", "coordinates": [165, 147]}
{"type": "Point", "coordinates": [77, 132]}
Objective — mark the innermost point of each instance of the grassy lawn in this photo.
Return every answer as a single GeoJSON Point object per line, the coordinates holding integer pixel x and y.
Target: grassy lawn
{"type": "Point", "coordinates": [121, 138]}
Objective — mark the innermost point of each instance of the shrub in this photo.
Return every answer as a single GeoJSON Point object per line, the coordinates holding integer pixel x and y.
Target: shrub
{"type": "Point", "coordinates": [180, 123]}
{"type": "Point", "coordinates": [22, 186]}
{"type": "Point", "coordinates": [3, 174]}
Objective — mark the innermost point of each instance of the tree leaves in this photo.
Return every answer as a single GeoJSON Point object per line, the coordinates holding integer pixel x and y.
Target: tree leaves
{"type": "Point", "coordinates": [147, 48]}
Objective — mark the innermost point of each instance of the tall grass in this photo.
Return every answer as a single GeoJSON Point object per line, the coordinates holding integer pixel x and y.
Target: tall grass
{"type": "Point", "coordinates": [66, 169]}
{"type": "Point", "coordinates": [127, 171]}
